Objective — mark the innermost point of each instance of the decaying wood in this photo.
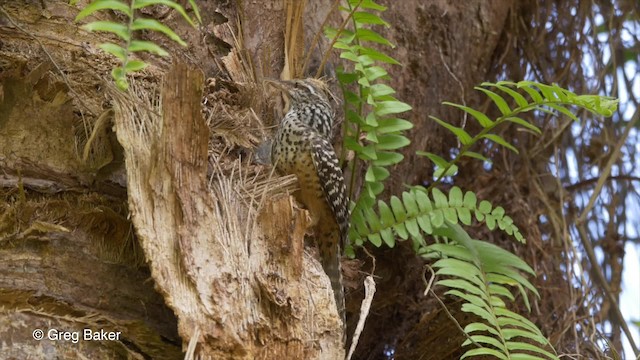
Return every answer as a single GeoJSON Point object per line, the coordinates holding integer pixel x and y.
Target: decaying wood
{"type": "Point", "coordinates": [248, 294]}
{"type": "Point", "coordinates": [68, 260]}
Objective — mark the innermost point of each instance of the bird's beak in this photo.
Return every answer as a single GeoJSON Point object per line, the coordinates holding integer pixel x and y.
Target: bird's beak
{"type": "Point", "coordinates": [282, 85]}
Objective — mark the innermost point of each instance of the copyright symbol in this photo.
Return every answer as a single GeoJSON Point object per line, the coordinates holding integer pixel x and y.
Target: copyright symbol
{"type": "Point", "coordinates": [38, 334]}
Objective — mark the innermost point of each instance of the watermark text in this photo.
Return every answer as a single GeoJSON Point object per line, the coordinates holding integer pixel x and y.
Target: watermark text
{"type": "Point", "coordinates": [75, 336]}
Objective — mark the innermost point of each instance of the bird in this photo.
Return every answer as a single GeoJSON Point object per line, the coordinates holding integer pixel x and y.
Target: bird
{"type": "Point", "coordinates": [302, 146]}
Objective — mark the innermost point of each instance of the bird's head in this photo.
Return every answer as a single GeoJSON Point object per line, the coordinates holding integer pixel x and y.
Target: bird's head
{"type": "Point", "coordinates": [302, 91]}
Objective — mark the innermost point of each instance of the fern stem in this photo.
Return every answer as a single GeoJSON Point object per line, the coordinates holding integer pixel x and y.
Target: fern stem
{"type": "Point", "coordinates": [333, 42]}
{"type": "Point", "coordinates": [354, 165]}
{"type": "Point", "coordinates": [125, 62]}
{"type": "Point", "coordinates": [493, 312]}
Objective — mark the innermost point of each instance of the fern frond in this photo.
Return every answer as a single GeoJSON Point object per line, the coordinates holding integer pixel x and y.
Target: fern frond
{"type": "Point", "coordinates": [480, 274]}
{"type": "Point", "coordinates": [125, 32]}
{"type": "Point", "coordinates": [372, 129]}
{"type": "Point", "coordinates": [551, 99]}
{"type": "Point", "coordinates": [417, 214]}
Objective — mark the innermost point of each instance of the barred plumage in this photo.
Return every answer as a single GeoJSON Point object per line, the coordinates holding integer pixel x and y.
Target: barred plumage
{"type": "Point", "coordinates": [302, 147]}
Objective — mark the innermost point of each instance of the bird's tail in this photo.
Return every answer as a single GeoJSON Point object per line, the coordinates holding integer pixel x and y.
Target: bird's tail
{"type": "Point", "coordinates": [330, 256]}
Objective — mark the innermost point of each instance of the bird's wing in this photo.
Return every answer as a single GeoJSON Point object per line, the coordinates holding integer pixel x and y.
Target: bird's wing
{"type": "Point", "coordinates": [332, 182]}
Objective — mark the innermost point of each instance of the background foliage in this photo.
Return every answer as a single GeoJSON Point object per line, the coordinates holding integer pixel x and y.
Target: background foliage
{"type": "Point", "coordinates": [581, 173]}
{"type": "Point", "coordinates": [476, 273]}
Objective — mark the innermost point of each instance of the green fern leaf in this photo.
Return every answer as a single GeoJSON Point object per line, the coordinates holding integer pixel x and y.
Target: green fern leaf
{"type": "Point", "coordinates": [450, 171]}
{"type": "Point", "coordinates": [563, 110]}
{"type": "Point", "coordinates": [195, 9]}
{"type": "Point", "coordinates": [118, 29]}
{"type": "Point", "coordinates": [524, 123]}
{"type": "Point", "coordinates": [425, 224]}
{"type": "Point", "coordinates": [483, 339]}
{"type": "Point", "coordinates": [385, 158]}
{"type": "Point", "coordinates": [477, 327]}
{"type": "Point", "coordinates": [148, 46]}
{"type": "Point", "coordinates": [135, 65]}
{"type": "Point", "coordinates": [114, 50]}
{"type": "Point", "coordinates": [515, 333]}
{"type": "Point", "coordinates": [462, 135]}
{"type": "Point", "coordinates": [358, 221]}
{"type": "Point", "coordinates": [413, 228]}
{"type": "Point", "coordinates": [450, 215]}
{"type": "Point", "coordinates": [401, 230]}
{"type": "Point", "coordinates": [476, 278]}
{"type": "Point", "coordinates": [368, 153]}
{"type": "Point", "coordinates": [348, 55]}
{"type": "Point", "coordinates": [367, 4]}
{"type": "Point", "coordinates": [378, 56]}
{"type": "Point", "coordinates": [392, 142]}
{"type": "Point", "coordinates": [376, 173]}
{"type": "Point", "coordinates": [515, 346]}
{"type": "Point", "coordinates": [550, 92]}
{"type": "Point", "coordinates": [139, 4]}
{"type": "Point", "coordinates": [497, 99]}
{"type": "Point", "coordinates": [499, 140]}
{"type": "Point", "coordinates": [483, 119]}
{"type": "Point", "coordinates": [363, 17]}
{"type": "Point", "coordinates": [437, 218]}
{"type": "Point", "coordinates": [386, 216]}
{"type": "Point", "coordinates": [371, 120]}
{"type": "Point", "coordinates": [484, 352]}
{"type": "Point", "coordinates": [452, 250]}
{"type": "Point", "coordinates": [483, 209]}
{"type": "Point", "coordinates": [387, 236]}
{"type": "Point", "coordinates": [372, 219]}
{"type": "Point", "coordinates": [155, 25]}
{"type": "Point", "coordinates": [98, 5]}
{"type": "Point", "coordinates": [120, 77]}
{"type": "Point", "coordinates": [464, 215]}
{"type": "Point", "coordinates": [490, 221]}
{"type": "Point", "coordinates": [459, 269]}
{"type": "Point", "coordinates": [377, 90]}
{"type": "Point", "coordinates": [375, 239]}
{"type": "Point", "coordinates": [519, 99]}
{"type": "Point", "coordinates": [479, 311]}
{"type": "Point", "coordinates": [371, 73]}
{"type": "Point", "coordinates": [439, 198]}
{"type": "Point", "coordinates": [463, 285]}
{"type": "Point", "coordinates": [500, 291]}
{"type": "Point", "coordinates": [455, 197]}
{"type": "Point", "coordinates": [398, 209]}
{"type": "Point", "coordinates": [391, 107]}
{"type": "Point", "coordinates": [470, 200]}
{"type": "Point", "coordinates": [498, 212]}
{"type": "Point", "coordinates": [391, 125]}
{"type": "Point", "coordinates": [409, 201]}
{"type": "Point", "coordinates": [469, 298]}
{"type": "Point", "coordinates": [533, 93]}
{"type": "Point", "coordinates": [439, 161]}
{"type": "Point", "coordinates": [507, 318]}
